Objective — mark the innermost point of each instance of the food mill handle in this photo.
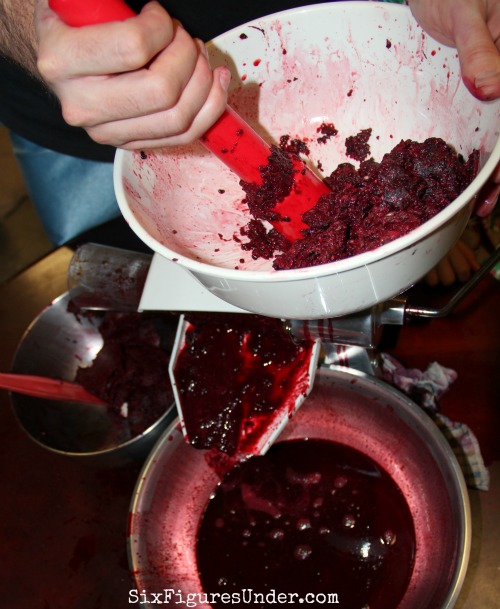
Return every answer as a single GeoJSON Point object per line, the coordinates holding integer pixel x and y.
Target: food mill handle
{"type": "Point", "coordinates": [231, 139]}
{"type": "Point", "coordinates": [433, 312]}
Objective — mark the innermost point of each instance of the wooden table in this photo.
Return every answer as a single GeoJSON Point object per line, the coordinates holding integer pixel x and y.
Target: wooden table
{"type": "Point", "coordinates": [63, 524]}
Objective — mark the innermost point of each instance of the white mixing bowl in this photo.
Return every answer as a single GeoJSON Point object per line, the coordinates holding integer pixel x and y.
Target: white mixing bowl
{"type": "Point", "coordinates": [357, 65]}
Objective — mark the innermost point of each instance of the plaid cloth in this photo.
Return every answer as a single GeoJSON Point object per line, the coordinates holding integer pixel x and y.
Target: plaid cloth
{"type": "Point", "coordinates": [425, 388]}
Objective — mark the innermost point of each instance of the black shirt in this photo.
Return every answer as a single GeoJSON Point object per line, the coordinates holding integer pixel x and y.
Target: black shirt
{"type": "Point", "coordinates": [31, 111]}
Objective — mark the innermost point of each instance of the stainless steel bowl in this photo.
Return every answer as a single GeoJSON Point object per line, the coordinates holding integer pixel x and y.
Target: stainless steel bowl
{"type": "Point", "coordinates": [55, 344]}
{"type": "Point", "coordinates": [348, 407]}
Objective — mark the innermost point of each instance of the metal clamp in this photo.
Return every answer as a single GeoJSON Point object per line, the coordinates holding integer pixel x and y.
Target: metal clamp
{"type": "Point", "coordinates": [363, 329]}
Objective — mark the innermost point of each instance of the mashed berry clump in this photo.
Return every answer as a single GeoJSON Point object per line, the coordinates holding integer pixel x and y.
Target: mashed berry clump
{"type": "Point", "coordinates": [261, 242]}
{"type": "Point", "coordinates": [327, 130]}
{"type": "Point", "coordinates": [130, 372]}
{"type": "Point", "coordinates": [357, 146]}
{"type": "Point", "coordinates": [372, 204]}
{"type": "Point", "coordinates": [293, 146]}
{"type": "Point", "coordinates": [277, 182]}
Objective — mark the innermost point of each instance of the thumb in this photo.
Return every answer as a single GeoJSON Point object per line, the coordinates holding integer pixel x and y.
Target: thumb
{"type": "Point", "coordinates": [487, 199]}
{"type": "Point", "coordinates": [479, 57]}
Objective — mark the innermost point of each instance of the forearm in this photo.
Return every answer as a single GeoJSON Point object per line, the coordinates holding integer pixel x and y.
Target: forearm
{"type": "Point", "coordinates": [17, 33]}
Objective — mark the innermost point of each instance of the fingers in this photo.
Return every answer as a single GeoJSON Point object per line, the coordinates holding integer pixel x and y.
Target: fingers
{"type": "Point", "coordinates": [479, 56]}
{"type": "Point", "coordinates": [108, 48]}
{"type": "Point", "coordinates": [157, 86]}
{"type": "Point", "coordinates": [457, 265]}
{"type": "Point", "coordinates": [182, 124]}
{"type": "Point", "coordinates": [488, 196]}
{"type": "Point", "coordinates": [487, 199]}
{"type": "Point", "coordinates": [473, 27]}
{"type": "Point", "coordinates": [142, 82]}
{"type": "Point", "coordinates": [496, 174]}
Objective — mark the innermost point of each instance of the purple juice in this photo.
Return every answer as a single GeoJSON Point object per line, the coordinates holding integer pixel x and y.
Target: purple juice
{"type": "Point", "coordinates": [309, 517]}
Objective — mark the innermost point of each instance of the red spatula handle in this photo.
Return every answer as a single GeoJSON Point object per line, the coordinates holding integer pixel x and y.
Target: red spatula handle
{"type": "Point", "coordinates": [238, 146]}
{"type": "Point", "coordinates": [231, 139]}
{"type": "Point", "coordinates": [89, 12]}
{"type": "Point", "coordinates": [43, 387]}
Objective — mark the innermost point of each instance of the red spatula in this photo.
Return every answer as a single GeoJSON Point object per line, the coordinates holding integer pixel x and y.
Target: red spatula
{"type": "Point", "coordinates": [231, 139]}
{"type": "Point", "coordinates": [48, 388]}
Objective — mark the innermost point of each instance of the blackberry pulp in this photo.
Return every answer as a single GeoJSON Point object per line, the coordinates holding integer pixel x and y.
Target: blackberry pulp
{"type": "Point", "coordinates": [369, 205]}
{"type": "Point", "coordinates": [234, 373]}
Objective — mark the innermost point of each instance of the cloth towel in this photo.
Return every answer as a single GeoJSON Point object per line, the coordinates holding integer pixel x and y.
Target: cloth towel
{"type": "Point", "coordinates": [425, 389]}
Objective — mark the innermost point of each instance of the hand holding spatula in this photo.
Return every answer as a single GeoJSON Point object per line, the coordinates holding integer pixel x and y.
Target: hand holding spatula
{"type": "Point", "coordinates": [231, 139]}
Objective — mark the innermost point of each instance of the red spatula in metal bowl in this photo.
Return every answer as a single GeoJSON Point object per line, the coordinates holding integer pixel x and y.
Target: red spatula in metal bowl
{"type": "Point", "coordinates": [47, 388]}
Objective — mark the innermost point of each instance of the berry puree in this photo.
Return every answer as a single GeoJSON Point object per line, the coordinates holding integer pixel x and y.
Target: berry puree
{"type": "Point", "coordinates": [130, 372]}
{"type": "Point", "coordinates": [369, 205]}
{"type": "Point", "coordinates": [309, 517]}
{"type": "Point", "coordinates": [235, 374]}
